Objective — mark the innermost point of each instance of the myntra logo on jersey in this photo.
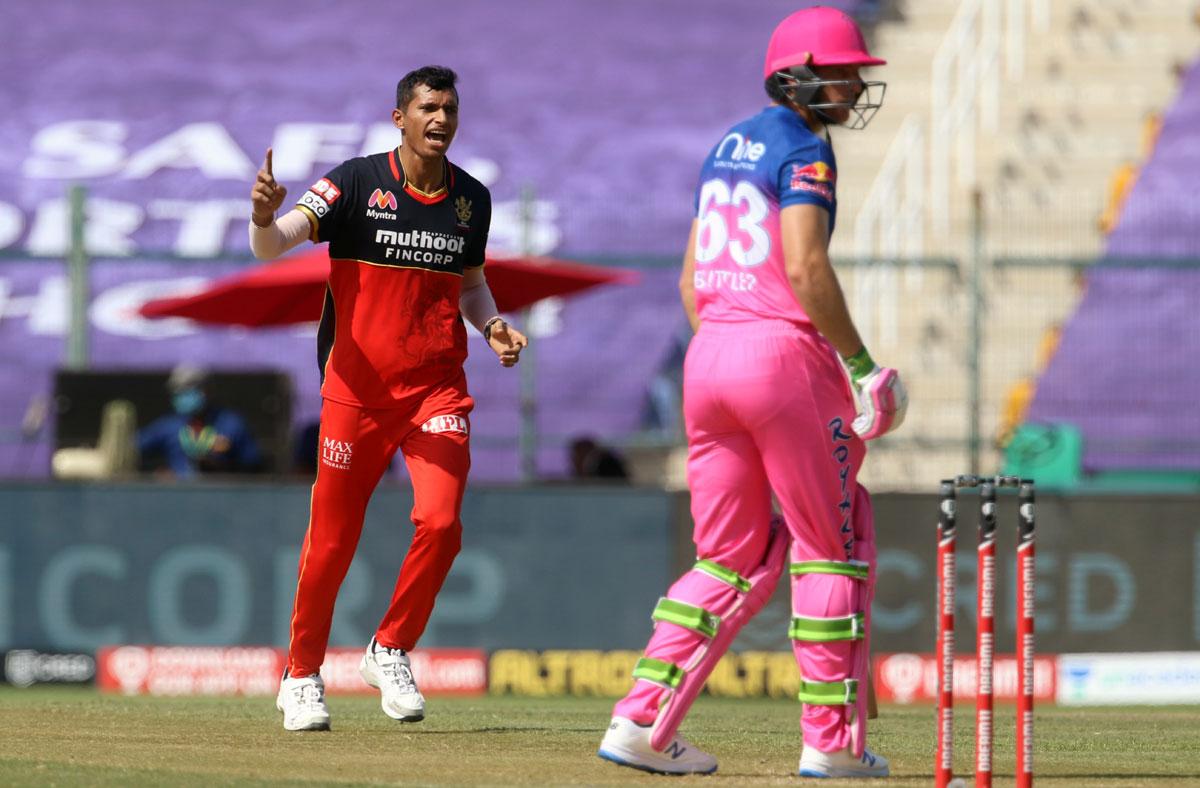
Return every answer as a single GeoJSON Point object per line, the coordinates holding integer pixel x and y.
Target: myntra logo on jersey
{"type": "Point", "coordinates": [420, 246]}
{"type": "Point", "coordinates": [382, 199]}
{"type": "Point", "coordinates": [385, 201]}
{"type": "Point", "coordinates": [742, 152]}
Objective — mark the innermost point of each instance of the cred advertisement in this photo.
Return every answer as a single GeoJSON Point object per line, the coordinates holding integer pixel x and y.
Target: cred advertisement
{"type": "Point", "coordinates": [912, 678]}
{"type": "Point", "coordinates": [249, 670]}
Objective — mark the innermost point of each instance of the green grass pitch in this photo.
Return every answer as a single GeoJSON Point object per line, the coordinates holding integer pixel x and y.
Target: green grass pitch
{"type": "Point", "coordinates": [64, 736]}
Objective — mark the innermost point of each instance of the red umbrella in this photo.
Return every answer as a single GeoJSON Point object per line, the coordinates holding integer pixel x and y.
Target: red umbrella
{"type": "Point", "coordinates": [292, 290]}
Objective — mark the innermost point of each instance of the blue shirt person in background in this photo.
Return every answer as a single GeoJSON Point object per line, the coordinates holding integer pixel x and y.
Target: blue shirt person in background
{"type": "Point", "coordinates": [198, 437]}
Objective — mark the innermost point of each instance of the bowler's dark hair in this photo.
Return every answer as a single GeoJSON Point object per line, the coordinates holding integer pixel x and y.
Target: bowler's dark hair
{"type": "Point", "coordinates": [432, 77]}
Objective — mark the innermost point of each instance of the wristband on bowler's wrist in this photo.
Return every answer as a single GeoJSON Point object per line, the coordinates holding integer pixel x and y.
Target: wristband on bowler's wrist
{"type": "Point", "coordinates": [487, 327]}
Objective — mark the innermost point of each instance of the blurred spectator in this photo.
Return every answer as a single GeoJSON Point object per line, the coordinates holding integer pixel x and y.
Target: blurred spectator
{"type": "Point", "coordinates": [198, 437]}
{"type": "Point", "coordinates": [1125, 176]}
{"type": "Point", "coordinates": [1019, 396]}
{"type": "Point", "coordinates": [1119, 185]}
{"type": "Point", "coordinates": [307, 440]}
{"type": "Point", "coordinates": [664, 402]}
{"type": "Point", "coordinates": [1151, 127]}
{"type": "Point", "coordinates": [1121, 182]}
{"type": "Point", "coordinates": [591, 460]}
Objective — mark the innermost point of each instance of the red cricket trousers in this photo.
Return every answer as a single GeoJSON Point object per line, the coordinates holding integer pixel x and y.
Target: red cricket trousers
{"type": "Point", "coordinates": [356, 445]}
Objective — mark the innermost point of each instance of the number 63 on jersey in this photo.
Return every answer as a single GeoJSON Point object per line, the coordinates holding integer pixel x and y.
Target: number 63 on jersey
{"type": "Point", "coordinates": [746, 209]}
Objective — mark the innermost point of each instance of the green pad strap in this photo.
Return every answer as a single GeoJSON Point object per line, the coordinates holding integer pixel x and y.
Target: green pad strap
{"type": "Point", "coordinates": [824, 630]}
{"type": "Point", "coordinates": [726, 576]}
{"type": "Point", "coordinates": [658, 671]}
{"type": "Point", "coordinates": [859, 570]}
{"type": "Point", "coordinates": [829, 693]}
{"type": "Point", "coordinates": [687, 616]}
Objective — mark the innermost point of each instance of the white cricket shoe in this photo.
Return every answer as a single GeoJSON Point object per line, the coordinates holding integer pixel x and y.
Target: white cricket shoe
{"type": "Point", "coordinates": [302, 702]}
{"type": "Point", "coordinates": [814, 763]}
{"type": "Point", "coordinates": [390, 670]}
{"type": "Point", "coordinates": [628, 744]}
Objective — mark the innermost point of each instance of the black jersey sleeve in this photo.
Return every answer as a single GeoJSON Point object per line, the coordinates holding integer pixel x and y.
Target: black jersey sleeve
{"type": "Point", "coordinates": [481, 225]}
{"type": "Point", "coordinates": [327, 202]}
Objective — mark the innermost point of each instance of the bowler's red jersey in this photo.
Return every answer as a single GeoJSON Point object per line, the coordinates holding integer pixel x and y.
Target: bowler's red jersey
{"type": "Point", "coordinates": [391, 323]}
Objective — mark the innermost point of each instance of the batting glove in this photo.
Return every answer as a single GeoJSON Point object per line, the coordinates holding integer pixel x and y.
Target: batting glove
{"type": "Point", "coordinates": [882, 400]}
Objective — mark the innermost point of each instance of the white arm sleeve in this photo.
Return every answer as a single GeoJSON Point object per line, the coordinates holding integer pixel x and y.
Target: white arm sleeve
{"type": "Point", "coordinates": [475, 302]}
{"type": "Point", "coordinates": [279, 236]}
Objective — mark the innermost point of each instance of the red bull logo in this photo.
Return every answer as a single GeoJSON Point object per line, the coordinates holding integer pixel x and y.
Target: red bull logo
{"type": "Point", "coordinates": [818, 178]}
{"type": "Point", "coordinates": [818, 171]}
{"type": "Point", "coordinates": [385, 201]}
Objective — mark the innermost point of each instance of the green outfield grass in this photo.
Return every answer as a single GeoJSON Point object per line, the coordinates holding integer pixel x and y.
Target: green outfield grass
{"type": "Point", "coordinates": [79, 737]}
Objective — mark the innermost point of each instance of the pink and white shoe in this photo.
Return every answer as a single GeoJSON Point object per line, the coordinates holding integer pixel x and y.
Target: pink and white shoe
{"type": "Point", "coordinates": [628, 744]}
{"type": "Point", "coordinates": [814, 763]}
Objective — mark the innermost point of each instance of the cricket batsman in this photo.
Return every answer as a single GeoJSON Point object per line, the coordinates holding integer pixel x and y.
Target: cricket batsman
{"type": "Point", "coordinates": [406, 231]}
{"type": "Point", "coordinates": [768, 409]}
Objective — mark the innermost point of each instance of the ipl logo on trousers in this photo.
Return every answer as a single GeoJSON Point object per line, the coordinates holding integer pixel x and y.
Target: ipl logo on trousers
{"type": "Point", "coordinates": [439, 424]}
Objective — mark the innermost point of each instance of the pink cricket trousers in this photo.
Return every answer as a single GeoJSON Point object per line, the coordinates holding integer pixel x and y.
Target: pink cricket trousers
{"type": "Point", "coordinates": [768, 409]}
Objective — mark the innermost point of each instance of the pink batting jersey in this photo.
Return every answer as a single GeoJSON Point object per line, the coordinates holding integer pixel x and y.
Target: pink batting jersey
{"type": "Point", "coordinates": [763, 165]}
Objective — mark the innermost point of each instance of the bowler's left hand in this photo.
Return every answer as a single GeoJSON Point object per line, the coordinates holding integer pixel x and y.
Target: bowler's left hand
{"type": "Point", "coordinates": [507, 342]}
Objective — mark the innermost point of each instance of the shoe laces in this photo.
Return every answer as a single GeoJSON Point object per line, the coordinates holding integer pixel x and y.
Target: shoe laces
{"type": "Point", "coordinates": [308, 693]}
{"type": "Point", "coordinates": [395, 667]}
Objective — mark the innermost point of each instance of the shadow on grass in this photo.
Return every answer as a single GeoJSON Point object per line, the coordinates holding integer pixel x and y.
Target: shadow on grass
{"type": "Point", "coordinates": [501, 729]}
{"type": "Point", "coordinates": [1041, 776]}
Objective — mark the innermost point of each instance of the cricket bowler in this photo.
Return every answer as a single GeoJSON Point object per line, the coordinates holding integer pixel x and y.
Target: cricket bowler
{"type": "Point", "coordinates": [406, 231]}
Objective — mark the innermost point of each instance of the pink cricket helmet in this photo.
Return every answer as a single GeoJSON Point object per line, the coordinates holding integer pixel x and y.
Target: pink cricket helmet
{"type": "Point", "coordinates": [817, 36]}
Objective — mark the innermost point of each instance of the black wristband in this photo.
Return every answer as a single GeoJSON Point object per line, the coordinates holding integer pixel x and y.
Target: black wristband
{"type": "Point", "coordinates": [487, 327]}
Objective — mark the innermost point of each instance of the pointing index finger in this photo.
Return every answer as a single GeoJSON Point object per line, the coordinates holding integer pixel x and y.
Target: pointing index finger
{"type": "Point", "coordinates": [267, 162]}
